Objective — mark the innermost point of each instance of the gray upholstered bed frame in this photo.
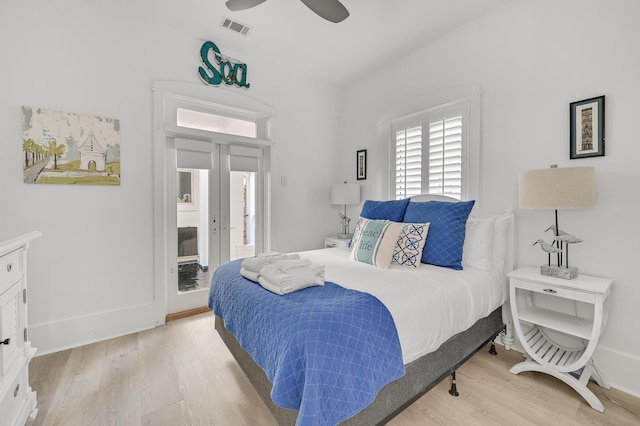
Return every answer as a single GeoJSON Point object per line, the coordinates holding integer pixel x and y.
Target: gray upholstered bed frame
{"type": "Point", "coordinates": [421, 374]}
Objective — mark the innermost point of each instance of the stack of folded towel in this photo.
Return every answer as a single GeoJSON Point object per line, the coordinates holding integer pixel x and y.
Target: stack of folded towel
{"type": "Point", "coordinates": [282, 273]}
{"type": "Point", "coordinates": [251, 266]}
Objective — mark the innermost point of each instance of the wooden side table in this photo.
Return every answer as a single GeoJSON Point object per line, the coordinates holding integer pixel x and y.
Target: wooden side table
{"type": "Point", "coordinates": [555, 342]}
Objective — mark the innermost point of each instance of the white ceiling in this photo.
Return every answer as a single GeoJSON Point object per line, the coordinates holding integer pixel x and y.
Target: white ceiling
{"type": "Point", "coordinates": [286, 31]}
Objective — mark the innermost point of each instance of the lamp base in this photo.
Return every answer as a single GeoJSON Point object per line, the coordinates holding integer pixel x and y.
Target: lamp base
{"type": "Point", "coordinates": [567, 273]}
{"type": "Point", "coordinates": [345, 236]}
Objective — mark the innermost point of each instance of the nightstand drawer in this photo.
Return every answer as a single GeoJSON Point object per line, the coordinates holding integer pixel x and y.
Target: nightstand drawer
{"type": "Point", "coordinates": [10, 269]}
{"type": "Point", "coordinates": [553, 290]}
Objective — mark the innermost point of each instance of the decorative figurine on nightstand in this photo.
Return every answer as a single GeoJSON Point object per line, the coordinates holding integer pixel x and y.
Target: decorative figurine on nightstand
{"type": "Point", "coordinates": [344, 223]}
{"type": "Point", "coordinates": [561, 248]}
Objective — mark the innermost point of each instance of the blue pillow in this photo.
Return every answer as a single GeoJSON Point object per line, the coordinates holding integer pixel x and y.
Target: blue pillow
{"type": "Point", "coordinates": [385, 210]}
{"type": "Point", "coordinates": [446, 232]}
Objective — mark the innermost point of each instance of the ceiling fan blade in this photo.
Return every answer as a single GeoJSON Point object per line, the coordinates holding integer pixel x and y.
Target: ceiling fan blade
{"type": "Point", "coordinates": [242, 4]}
{"type": "Point", "coordinates": [331, 10]}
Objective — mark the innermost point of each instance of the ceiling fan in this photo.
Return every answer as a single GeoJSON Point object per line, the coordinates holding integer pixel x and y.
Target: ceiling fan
{"type": "Point", "coordinates": [331, 10]}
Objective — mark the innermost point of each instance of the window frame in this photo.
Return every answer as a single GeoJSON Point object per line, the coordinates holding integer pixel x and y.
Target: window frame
{"type": "Point", "coordinates": [470, 107]}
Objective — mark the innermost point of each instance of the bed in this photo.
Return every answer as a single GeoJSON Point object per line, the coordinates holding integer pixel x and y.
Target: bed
{"type": "Point", "coordinates": [443, 315]}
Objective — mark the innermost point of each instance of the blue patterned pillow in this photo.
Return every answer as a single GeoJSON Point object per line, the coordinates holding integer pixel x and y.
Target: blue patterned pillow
{"type": "Point", "coordinates": [408, 251]}
{"type": "Point", "coordinates": [446, 232]}
{"type": "Point", "coordinates": [385, 210]}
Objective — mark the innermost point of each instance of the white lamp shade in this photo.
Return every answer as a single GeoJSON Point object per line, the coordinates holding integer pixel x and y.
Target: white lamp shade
{"type": "Point", "coordinates": [345, 193]}
{"type": "Point", "coordinates": [558, 188]}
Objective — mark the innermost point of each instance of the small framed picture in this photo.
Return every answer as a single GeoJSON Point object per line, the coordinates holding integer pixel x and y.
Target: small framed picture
{"type": "Point", "coordinates": [361, 164]}
{"type": "Point", "coordinates": [586, 137]}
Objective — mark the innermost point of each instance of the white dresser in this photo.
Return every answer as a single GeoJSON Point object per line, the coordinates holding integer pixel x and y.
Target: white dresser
{"type": "Point", "coordinates": [17, 400]}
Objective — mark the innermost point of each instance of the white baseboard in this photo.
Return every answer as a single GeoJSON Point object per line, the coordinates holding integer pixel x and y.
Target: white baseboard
{"type": "Point", "coordinates": [69, 333]}
{"type": "Point", "coordinates": [620, 368]}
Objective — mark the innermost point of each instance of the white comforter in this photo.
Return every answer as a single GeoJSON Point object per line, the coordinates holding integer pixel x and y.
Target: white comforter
{"type": "Point", "coordinates": [429, 304]}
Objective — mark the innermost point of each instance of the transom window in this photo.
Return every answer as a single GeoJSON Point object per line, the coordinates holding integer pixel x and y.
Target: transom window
{"type": "Point", "coordinates": [215, 123]}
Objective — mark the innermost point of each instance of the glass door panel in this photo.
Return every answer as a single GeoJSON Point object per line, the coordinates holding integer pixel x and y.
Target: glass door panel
{"type": "Point", "coordinates": [195, 248]}
{"type": "Point", "coordinates": [193, 230]}
{"type": "Point", "coordinates": [242, 203]}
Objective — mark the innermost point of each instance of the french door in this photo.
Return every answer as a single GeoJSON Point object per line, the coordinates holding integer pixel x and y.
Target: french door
{"type": "Point", "coordinates": [195, 246]}
{"type": "Point", "coordinates": [212, 157]}
{"type": "Point", "coordinates": [217, 218]}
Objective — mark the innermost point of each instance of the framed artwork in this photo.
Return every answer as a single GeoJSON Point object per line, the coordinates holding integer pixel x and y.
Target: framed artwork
{"type": "Point", "coordinates": [69, 148]}
{"type": "Point", "coordinates": [361, 164]}
{"type": "Point", "coordinates": [586, 137]}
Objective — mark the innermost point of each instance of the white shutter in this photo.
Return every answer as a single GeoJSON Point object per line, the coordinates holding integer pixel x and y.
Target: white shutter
{"type": "Point", "coordinates": [408, 162]}
{"type": "Point", "coordinates": [445, 157]}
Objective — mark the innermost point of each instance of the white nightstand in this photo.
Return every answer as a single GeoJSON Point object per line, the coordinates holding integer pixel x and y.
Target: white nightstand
{"type": "Point", "coordinates": [335, 242]}
{"type": "Point", "coordinates": [555, 342]}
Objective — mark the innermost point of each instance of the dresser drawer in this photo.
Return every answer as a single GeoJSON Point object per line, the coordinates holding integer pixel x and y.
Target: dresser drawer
{"type": "Point", "coordinates": [11, 327]}
{"type": "Point", "coordinates": [10, 269]}
{"type": "Point", "coordinates": [13, 402]}
{"type": "Point", "coordinates": [554, 290]}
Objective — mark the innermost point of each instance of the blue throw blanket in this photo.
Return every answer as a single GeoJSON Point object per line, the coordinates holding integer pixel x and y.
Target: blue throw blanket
{"type": "Point", "coordinates": [327, 350]}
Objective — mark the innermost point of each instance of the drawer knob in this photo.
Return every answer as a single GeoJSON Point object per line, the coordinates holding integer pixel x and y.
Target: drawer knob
{"type": "Point", "coordinates": [549, 290]}
{"type": "Point", "coordinates": [15, 392]}
{"type": "Point", "coordinates": [9, 266]}
{"type": "Point", "coordinates": [5, 341]}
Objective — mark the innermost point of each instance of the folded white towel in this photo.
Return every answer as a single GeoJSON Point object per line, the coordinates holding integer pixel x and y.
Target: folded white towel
{"type": "Point", "coordinates": [311, 274]}
{"type": "Point", "coordinates": [255, 264]}
{"type": "Point", "coordinates": [287, 265]}
{"type": "Point", "coordinates": [295, 279]}
{"type": "Point", "coordinates": [250, 275]}
{"type": "Point", "coordinates": [278, 289]}
{"type": "Point", "coordinates": [273, 288]}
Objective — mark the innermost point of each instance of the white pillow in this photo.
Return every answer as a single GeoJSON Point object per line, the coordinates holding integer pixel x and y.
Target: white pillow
{"type": "Point", "coordinates": [500, 242]}
{"type": "Point", "coordinates": [477, 251]}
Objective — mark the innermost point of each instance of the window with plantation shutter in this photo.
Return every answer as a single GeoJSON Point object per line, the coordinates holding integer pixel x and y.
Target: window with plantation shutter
{"type": "Point", "coordinates": [430, 152]}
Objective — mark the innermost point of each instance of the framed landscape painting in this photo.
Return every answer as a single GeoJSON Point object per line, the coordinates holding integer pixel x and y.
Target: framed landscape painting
{"type": "Point", "coordinates": [69, 148]}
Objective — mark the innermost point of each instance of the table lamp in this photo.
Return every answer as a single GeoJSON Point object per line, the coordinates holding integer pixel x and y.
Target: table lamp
{"type": "Point", "coordinates": [558, 188]}
{"type": "Point", "coordinates": [345, 194]}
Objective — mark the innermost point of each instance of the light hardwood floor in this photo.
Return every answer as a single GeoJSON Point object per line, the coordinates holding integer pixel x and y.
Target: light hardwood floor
{"type": "Point", "coordinates": [182, 374]}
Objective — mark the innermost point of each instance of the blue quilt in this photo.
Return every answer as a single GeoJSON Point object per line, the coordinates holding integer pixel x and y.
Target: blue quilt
{"type": "Point", "coordinates": [327, 350]}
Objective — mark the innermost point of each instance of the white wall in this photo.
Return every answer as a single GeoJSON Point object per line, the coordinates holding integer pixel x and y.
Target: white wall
{"type": "Point", "coordinates": [101, 58]}
{"type": "Point", "coordinates": [531, 58]}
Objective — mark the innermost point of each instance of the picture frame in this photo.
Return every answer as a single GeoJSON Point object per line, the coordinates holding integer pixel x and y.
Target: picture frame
{"type": "Point", "coordinates": [361, 164]}
{"type": "Point", "coordinates": [586, 136]}
{"type": "Point", "coordinates": [69, 148]}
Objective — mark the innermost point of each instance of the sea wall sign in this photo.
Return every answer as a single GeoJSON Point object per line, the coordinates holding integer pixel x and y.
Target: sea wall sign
{"type": "Point", "coordinates": [223, 71]}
